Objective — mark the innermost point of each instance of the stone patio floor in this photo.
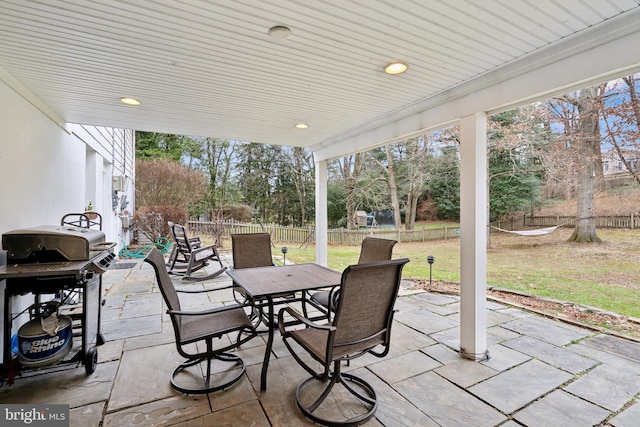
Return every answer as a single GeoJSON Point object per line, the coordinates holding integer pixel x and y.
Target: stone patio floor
{"type": "Point", "coordinates": [541, 372]}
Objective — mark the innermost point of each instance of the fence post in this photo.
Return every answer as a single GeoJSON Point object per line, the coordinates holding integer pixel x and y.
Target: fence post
{"type": "Point", "coordinates": [632, 220]}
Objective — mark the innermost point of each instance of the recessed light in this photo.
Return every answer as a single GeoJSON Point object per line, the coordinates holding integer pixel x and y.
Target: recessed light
{"type": "Point", "coordinates": [302, 126]}
{"type": "Point", "coordinates": [130, 101]}
{"type": "Point", "coordinates": [279, 32]}
{"type": "Point", "coordinates": [396, 68]}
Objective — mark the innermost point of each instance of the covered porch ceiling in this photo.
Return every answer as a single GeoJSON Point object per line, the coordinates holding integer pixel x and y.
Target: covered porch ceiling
{"type": "Point", "coordinates": [211, 68]}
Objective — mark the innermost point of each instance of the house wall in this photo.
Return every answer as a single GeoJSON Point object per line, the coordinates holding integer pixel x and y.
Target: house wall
{"type": "Point", "coordinates": [48, 170]}
{"type": "Point", "coordinates": [41, 166]}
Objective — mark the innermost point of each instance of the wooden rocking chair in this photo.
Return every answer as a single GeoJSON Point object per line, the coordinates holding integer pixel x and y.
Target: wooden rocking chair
{"type": "Point", "coordinates": [189, 256]}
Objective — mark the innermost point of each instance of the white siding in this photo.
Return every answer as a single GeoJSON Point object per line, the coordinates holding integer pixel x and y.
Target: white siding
{"type": "Point", "coordinates": [47, 171]}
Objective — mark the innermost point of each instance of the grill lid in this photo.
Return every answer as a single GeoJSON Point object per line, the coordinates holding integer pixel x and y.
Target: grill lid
{"type": "Point", "coordinates": [52, 243]}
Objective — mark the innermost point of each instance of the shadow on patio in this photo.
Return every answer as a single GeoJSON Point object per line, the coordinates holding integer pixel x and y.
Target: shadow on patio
{"type": "Point", "coordinates": [541, 372]}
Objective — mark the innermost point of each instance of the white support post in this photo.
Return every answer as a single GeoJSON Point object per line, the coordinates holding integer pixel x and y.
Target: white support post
{"type": "Point", "coordinates": [473, 237]}
{"type": "Point", "coordinates": [322, 222]}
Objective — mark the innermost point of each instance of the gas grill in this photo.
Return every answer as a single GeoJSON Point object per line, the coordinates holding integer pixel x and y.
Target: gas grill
{"type": "Point", "coordinates": [58, 262]}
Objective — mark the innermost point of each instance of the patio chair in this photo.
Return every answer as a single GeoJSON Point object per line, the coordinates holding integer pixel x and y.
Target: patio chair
{"type": "Point", "coordinates": [372, 249]}
{"type": "Point", "coordinates": [361, 325]}
{"type": "Point", "coordinates": [251, 250]}
{"type": "Point", "coordinates": [201, 327]}
{"type": "Point", "coordinates": [254, 250]}
{"type": "Point", "coordinates": [189, 256]}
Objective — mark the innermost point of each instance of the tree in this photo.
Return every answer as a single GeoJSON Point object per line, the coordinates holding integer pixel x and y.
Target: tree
{"type": "Point", "coordinates": [349, 169]}
{"type": "Point", "coordinates": [165, 191]}
{"type": "Point", "coordinates": [581, 136]}
{"type": "Point", "coordinates": [161, 182]}
{"type": "Point", "coordinates": [444, 186]}
{"type": "Point", "coordinates": [590, 166]}
{"type": "Point", "coordinates": [151, 145]}
{"type": "Point", "coordinates": [417, 170]}
{"type": "Point", "coordinates": [217, 161]}
{"type": "Point", "coordinates": [297, 163]}
{"type": "Point", "coordinates": [387, 163]}
{"type": "Point", "coordinates": [512, 187]}
{"type": "Point", "coordinates": [336, 204]}
{"type": "Point", "coordinates": [621, 118]}
{"type": "Point", "coordinates": [516, 146]}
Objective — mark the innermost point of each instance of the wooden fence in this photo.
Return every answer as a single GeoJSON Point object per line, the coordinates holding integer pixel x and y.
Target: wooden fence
{"type": "Point", "coordinates": [613, 221]}
{"type": "Point", "coordinates": [303, 236]}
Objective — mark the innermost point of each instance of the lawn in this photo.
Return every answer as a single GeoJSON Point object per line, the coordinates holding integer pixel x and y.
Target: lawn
{"type": "Point", "coordinates": [603, 275]}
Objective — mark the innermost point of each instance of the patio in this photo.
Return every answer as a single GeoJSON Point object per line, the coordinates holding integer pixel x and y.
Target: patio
{"type": "Point", "coordinates": [541, 372]}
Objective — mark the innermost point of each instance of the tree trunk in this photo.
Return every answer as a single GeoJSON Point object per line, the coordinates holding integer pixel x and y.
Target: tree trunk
{"type": "Point", "coordinates": [350, 169]}
{"type": "Point", "coordinates": [299, 173]}
{"type": "Point", "coordinates": [412, 207]}
{"type": "Point", "coordinates": [418, 172]}
{"type": "Point", "coordinates": [393, 188]}
{"type": "Point", "coordinates": [585, 229]}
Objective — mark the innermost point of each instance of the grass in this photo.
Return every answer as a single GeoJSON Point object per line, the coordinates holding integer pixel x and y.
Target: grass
{"type": "Point", "coordinates": [604, 276]}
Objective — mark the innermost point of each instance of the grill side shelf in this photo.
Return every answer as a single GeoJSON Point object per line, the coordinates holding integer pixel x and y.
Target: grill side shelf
{"type": "Point", "coordinates": [13, 271]}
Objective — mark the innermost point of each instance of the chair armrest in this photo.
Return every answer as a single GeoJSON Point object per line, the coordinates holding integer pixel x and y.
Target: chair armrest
{"type": "Point", "coordinates": [300, 318]}
{"type": "Point", "coordinates": [334, 294]}
{"type": "Point", "coordinates": [196, 252]}
{"type": "Point", "coordinates": [203, 312]}
{"type": "Point", "coordinates": [195, 241]}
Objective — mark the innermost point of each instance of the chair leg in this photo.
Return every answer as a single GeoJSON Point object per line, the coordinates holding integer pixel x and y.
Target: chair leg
{"type": "Point", "coordinates": [207, 384]}
{"type": "Point", "coordinates": [367, 398]}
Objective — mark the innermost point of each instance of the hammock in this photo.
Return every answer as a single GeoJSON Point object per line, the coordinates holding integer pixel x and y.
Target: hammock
{"type": "Point", "coordinates": [537, 232]}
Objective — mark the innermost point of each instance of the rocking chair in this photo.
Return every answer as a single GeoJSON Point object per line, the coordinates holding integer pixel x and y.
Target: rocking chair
{"type": "Point", "coordinates": [191, 252]}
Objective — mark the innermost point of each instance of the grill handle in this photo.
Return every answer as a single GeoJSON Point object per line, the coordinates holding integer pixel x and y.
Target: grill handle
{"type": "Point", "coordinates": [103, 246]}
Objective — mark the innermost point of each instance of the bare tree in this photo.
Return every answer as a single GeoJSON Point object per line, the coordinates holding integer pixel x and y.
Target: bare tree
{"type": "Point", "coordinates": [622, 124]}
{"type": "Point", "coordinates": [587, 146]}
{"type": "Point", "coordinates": [298, 164]}
{"type": "Point", "coordinates": [161, 182]}
{"type": "Point", "coordinates": [389, 168]}
{"type": "Point", "coordinates": [350, 168]}
{"type": "Point", "coordinates": [217, 161]}
{"type": "Point", "coordinates": [417, 156]}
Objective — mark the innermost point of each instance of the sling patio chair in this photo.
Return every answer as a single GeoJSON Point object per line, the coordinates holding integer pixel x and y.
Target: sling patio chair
{"type": "Point", "coordinates": [189, 256]}
{"type": "Point", "coordinates": [361, 325]}
{"type": "Point", "coordinates": [372, 249]}
{"type": "Point", "coordinates": [201, 328]}
{"type": "Point", "coordinates": [254, 250]}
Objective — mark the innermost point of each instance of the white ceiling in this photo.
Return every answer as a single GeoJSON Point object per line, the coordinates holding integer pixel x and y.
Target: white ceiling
{"type": "Point", "coordinates": [208, 68]}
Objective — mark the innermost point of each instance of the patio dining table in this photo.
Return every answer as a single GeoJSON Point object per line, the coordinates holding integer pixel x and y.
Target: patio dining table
{"type": "Point", "coordinates": [262, 283]}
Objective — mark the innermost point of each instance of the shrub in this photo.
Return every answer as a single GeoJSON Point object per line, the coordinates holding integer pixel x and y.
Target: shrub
{"type": "Point", "coordinates": [162, 182]}
{"type": "Point", "coordinates": [151, 221]}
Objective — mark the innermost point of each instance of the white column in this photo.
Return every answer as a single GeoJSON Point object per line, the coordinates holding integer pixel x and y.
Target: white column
{"type": "Point", "coordinates": [322, 222]}
{"type": "Point", "coordinates": [473, 237]}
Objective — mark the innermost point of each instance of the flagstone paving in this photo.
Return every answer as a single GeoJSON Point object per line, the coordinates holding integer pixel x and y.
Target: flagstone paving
{"type": "Point", "coordinates": [540, 372]}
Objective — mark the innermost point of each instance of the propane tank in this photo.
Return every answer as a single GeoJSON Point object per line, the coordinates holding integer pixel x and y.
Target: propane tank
{"type": "Point", "coordinates": [46, 339]}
